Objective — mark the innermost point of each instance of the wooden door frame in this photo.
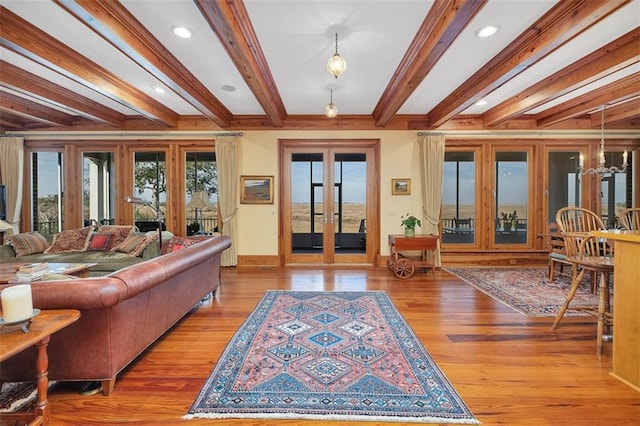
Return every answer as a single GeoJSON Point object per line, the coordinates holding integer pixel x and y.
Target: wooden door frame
{"type": "Point", "coordinates": [372, 196]}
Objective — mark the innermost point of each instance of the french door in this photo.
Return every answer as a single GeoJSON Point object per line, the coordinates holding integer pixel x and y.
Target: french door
{"type": "Point", "coordinates": [328, 201]}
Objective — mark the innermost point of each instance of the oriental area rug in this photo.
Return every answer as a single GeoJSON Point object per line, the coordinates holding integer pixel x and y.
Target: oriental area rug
{"type": "Point", "coordinates": [527, 290]}
{"type": "Point", "coordinates": [19, 396]}
{"type": "Point", "coordinates": [331, 356]}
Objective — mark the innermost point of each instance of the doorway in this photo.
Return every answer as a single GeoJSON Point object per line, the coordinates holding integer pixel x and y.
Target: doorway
{"type": "Point", "coordinates": [329, 201]}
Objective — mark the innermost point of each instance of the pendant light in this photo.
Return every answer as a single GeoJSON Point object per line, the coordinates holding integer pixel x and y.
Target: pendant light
{"type": "Point", "coordinates": [331, 110]}
{"type": "Point", "coordinates": [336, 64]}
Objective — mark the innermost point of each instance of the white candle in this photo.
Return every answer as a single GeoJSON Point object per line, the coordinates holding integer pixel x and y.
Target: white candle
{"type": "Point", "coordinates": [581, 161]}
{"type": "Point", "coordinates": [624, 158]}
{"type": "Point", "coordinates": [17, 304]}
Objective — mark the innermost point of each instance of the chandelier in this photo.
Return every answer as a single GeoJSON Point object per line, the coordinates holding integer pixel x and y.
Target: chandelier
{"type": "Point", "coordinates": [331, 110]}
{"type": "Point", "coordinates": [336, 64]}
{"type": "Point", "coordinates": [601, 169]}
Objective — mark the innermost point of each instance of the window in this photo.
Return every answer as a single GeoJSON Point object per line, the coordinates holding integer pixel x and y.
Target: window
{"type": "Point", "coordinates": [201, 193]}
{"type": "Point", "coordinates": [98, 188]}
{"type": "Point", "coordinates": [47, 192]}
{"type": "Point", "coordinates": [459, 197]}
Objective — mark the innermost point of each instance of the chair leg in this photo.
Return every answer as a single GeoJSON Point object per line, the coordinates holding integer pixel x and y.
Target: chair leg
{"type": "Point", "coordinates": [572, 292]}
{"type": "Point", "coordinates": [603, 309]}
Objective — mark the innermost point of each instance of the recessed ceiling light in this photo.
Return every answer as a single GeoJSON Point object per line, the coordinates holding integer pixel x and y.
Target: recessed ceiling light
{"type": "Point", "coordinates": [228, 88]}
{"type": "Point", "coordinates": [487, 31]}
{"type": "Point", "coordinates": [158, 89]}
{"type": "Point", "coordinates": [182, 32]}
{"type": "Point", "coordinates": [481, 102]}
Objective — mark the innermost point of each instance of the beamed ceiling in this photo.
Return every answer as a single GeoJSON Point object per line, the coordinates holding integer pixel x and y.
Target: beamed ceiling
{"type": "Point", "coordinates": [261, 64]}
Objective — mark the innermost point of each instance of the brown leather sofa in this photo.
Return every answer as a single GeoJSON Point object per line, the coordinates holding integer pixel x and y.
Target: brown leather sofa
{"type": "Point", "coordinates": [122, 313]}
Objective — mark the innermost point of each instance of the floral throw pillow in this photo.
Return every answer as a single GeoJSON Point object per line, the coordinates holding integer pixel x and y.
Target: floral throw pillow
{"type": "Point", "coordinates": [72, 240]}
{"type": "Point", "coordinates": [100, 242]}
{"type": "Point", "coordinates": [28, 243]}
{"type": "Point", "coordinates": [177, 243]}
{"type": "Point", "coordinates": [118, 233]}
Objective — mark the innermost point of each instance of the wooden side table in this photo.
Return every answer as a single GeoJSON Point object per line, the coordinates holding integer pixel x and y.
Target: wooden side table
{"type": "Point", "coordinates": [14, 341]}
{"type": "Point", "coordinates": [404, 267]}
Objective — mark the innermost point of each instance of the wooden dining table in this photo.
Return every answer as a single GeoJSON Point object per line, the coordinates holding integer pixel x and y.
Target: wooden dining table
{"type": "Point", "coordinates": [626, 305]}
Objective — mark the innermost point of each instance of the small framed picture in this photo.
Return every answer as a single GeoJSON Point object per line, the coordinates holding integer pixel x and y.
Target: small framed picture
{"type": "Point", "coordinates": [256, 189]}
{"type": "Point", "coordinates": [401, 186]}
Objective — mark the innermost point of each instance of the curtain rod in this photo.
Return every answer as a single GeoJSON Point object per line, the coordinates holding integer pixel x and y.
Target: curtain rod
{"type": "Point", "coordinates": [528, 134]}
{"type": "Point", "coordinates": [128, 135]}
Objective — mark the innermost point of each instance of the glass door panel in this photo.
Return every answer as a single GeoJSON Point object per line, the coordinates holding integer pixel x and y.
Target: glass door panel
{"type": "Point", "coordinates": [350, 202]}
{"type": "Point", "coordinates": [511, 198]}
{"type": "Point", "coordinates": [201, 193]}
{"type": "Point", "coordinates": [150, 190]}
{"type": "Point", "coordinates": [307, 202]}
{"type": "Point", "coordinates": [47, 192]}
{"type": "Point", "coordinates": [98, 189]}
{"type": "Point", "coordinates": [564, 185]}
{"type": "Point", "coordinates": [459, 198]}
{"type": "Point", "coordinates": [615, 190]}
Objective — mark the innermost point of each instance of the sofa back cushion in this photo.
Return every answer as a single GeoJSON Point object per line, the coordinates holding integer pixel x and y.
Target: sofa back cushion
{"type": "Point", "coordinates": [28, 243]}
{"type": "Point", "coordinates": [71, 240]}
{"type": "Point", "coordinates": [118, 233]}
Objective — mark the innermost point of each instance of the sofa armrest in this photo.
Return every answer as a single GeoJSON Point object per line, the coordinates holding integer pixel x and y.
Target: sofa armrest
{"type": "Point", "coordinates": [85, 293]}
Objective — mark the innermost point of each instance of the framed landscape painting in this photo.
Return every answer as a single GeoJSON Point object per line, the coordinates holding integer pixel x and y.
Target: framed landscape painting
{"type": "Point", "coordinates": [256, 189]}
{"type": "Point", "coordinates": [400, 186]}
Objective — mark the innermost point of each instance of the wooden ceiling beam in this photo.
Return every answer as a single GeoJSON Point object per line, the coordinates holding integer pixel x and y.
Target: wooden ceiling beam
{"type": "Point", "coordinates": [9, 121]}
{"type": "Point", "coordinates": [618, 91]}
{"type": "Point", "coordinates": [33, 110]}
{"type": "Point", "coordinates": [608, 59]}
{"type": "Point", "coordinates": [230, 21]}
{"type": "Point", "coordinates": [558, 26]}
{"type": "Point", "coordinates": [442, 25]}
{"type": "Point", "coordinates": [621, 112]}
{"type": "Point", "coordinates": [21, 37]}
{"type": "Point", "coordinates": [24, 82]}
{"type": "Point", "coordinates": [115, 24]}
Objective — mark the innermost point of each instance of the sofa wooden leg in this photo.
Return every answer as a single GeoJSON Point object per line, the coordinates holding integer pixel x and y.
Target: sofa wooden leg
{"type": "Point", "coordinates": [108, 385]}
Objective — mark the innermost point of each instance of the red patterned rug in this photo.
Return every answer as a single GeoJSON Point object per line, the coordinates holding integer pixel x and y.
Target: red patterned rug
{"type": "Point", "coordinates": [328, 356]}
{"type": "Point", "coordinates": [527, 290]}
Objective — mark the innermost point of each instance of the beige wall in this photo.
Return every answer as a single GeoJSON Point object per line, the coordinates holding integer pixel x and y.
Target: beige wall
{"type": "Point", "coordinates": [258, 234]}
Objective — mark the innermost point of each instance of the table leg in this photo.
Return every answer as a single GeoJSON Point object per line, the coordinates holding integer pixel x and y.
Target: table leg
{"type": "Point", "coordinates": [42, 368]}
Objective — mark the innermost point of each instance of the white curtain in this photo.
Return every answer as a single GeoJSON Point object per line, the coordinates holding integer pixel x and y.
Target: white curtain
{"type": "Point", "coordinates": [227, 161]}
{"type": "Point", "coordinates": [11, 175]}
{"type": "Point", "coordinates": [431, 166]}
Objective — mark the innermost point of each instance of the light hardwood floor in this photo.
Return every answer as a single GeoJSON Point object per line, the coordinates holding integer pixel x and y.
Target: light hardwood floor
{"type": "Point", "coordinates": [508, 368]}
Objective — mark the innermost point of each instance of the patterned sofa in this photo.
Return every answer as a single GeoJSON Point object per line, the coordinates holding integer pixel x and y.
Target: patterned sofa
{"type": "Point", "coordinates": [122, 313]}
{"type": "Point", "coordinates": [112, 247]}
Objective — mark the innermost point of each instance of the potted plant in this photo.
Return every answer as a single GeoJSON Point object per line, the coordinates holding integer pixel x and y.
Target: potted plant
{"type": "Point", "coordinates": [409, 222]}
